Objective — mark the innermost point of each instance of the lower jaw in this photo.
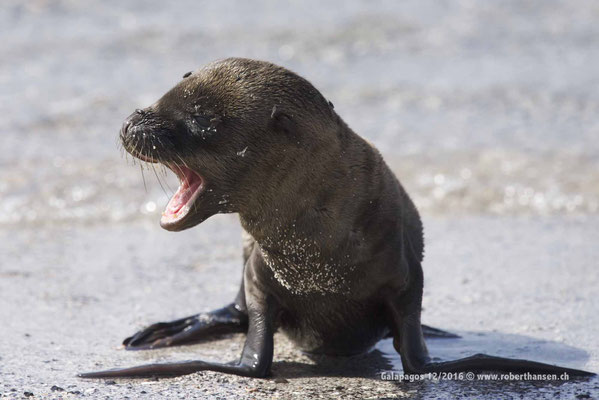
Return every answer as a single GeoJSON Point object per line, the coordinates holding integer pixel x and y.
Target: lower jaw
{"type": "Point", "coordinates": [174, 225]}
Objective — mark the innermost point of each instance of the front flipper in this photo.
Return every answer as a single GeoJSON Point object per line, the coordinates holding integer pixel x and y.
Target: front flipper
{"type": "Point", "coordinates": [255, 360]}
{"type": "Point", "coordinates": [188, 330]}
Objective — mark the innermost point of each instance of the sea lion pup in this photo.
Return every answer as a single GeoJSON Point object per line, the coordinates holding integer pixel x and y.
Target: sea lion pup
{"type": "Point", "coordinates": [333, 244]}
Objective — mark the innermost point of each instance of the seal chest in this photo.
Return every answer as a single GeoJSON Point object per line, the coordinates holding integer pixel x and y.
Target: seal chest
{"type": "Point", "coordinates": [299, 265]}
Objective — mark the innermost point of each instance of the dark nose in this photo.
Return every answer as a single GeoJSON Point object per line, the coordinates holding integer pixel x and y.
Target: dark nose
{"type": "Point", "coordinates": [132, 120]}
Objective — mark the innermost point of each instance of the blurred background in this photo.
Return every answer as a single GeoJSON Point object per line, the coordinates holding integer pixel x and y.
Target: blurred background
{"type": "Point", "coordinates": [488, 112]}
{"type": "Point", "coordinates": [480, 108]}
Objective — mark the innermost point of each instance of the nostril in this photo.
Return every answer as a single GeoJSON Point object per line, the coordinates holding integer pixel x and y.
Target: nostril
{"type": "Point", "coordinates": [132, 122]}
{"type": "Point", "coordinates": [125, 127]}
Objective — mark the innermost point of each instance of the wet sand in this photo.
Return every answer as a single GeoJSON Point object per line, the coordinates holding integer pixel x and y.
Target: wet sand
{"type": "Point", "coordinates": [488, 113]}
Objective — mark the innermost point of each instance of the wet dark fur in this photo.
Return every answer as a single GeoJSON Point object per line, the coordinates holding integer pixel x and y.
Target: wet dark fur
{"type": "Point", "coordinates": [333, 242]}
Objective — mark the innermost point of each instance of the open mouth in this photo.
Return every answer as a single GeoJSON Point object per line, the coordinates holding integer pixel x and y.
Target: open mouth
{"type": "Point", "coordinates": [190, 187]}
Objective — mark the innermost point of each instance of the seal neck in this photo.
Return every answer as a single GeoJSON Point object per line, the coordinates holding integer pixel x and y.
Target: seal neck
{"type": "Point", "coordinates": [327, 209]}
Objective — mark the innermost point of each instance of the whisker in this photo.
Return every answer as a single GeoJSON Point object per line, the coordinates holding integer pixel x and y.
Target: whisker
{"type": "Point", "coordinates": [165, 176]}
{"type": "Point", "coordinates": [159, 182]}
{"type": "Point", "coordinates": [143, 176]}
{"type": "Point", "coordinates": [183, 162]}
{"type": "Point", "coordinates": [162, 167]}
{"type": "Point", "coordinates": [162, 170]}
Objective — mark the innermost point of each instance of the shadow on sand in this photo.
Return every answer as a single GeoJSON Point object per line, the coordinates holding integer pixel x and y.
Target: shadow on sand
{"type": "Point", "coordinates": [384, 357]}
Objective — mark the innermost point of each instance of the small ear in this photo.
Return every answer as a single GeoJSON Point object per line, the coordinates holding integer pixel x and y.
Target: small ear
{"type": "Point", "coordinates": [281, 121]}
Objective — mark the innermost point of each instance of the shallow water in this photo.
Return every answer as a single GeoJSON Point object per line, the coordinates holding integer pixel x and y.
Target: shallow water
{"type": "Point", "coordinates": [479, 108]}
{"type": "Point", "coordinates": [490, 181]}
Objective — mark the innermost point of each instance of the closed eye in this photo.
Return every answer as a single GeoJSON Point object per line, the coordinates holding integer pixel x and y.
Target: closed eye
{"type": "Point", "coordinates": [202, 121]}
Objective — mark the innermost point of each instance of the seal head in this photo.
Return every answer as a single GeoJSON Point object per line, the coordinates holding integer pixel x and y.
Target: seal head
{"type": "Point", "coordinates": [224, 130]}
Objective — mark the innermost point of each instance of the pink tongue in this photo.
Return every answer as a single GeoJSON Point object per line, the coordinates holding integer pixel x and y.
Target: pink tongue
{"type": "Point", "coordinates": [179, 200]}
{"type": "Point", "coordinates": [189, 184]}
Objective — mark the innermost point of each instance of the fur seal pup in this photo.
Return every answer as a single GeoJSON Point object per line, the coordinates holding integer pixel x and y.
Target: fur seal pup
{"type": "Point", "coordinates": [333, 244]}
